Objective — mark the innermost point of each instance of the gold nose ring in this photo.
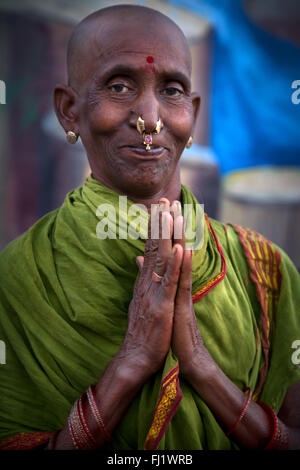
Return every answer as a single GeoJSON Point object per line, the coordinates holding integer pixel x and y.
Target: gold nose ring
{"type": "Point", "coordinates": [140, 125]}
{"type": "Point", "coordinates": [158, 127]}
{"type": "Point", "coordinates": [147, 136]}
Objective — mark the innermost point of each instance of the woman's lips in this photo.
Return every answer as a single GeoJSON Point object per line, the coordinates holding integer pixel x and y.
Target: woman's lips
{"type": "Point", "coordinates": [154, 152]}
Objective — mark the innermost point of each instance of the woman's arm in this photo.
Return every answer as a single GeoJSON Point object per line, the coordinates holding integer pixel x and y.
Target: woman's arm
{"type": "Point", "coordinates": [222, 396]}
{"type": "Point", "coordinates": [147, 340]}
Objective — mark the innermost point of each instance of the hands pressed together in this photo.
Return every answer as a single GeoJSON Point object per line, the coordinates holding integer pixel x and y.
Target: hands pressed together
{"type": "Point", "coordinates": [160, 317]}
{"type": "Point", "coordinates": [161, 313]}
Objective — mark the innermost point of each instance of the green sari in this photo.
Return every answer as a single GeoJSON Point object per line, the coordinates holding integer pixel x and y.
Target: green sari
{"type": "Point", "coordinates": [64, 297]}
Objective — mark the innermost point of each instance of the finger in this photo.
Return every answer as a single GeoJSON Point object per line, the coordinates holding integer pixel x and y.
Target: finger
{"type": "Point", "coordinates": [184, 291]}
{"type": "Point", "coordinates": [154, 235]}
{"type": "Point", "coordinates": [164, 206]}
{"type": "Point", "coordinates": [179, 231]}
{"type": "Point", "coordinates": [175, 208]}
{"type": "Point", "coordinates": [164, 200]}
{"type": "Point", "coordinates": [151, 245]}
{"type": "Point", "coordinates": [169, 283]}
{"type": "Point", "coordinates": [156, 211]}
{"type": "Point", "coordinates": [164, 244]}
{"type": "Point", "coordinates": [140, 262]}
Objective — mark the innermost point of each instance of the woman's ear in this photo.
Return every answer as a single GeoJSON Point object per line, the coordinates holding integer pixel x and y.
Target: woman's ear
{"type": "Point", "coordinates": [196, 101]}
{"type": "Point", "coordinates": [66, 108]}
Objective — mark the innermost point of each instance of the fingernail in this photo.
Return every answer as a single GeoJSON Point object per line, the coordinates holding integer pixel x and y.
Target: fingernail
{"type": "Point", "coordinates": [161, 207]}
{"type": "Point", "coordinates": [176, 206]}
{"type": "Point", "coordinates": [163, 201]}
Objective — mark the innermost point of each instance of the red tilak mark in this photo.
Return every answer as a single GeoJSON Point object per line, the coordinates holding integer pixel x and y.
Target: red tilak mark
{"type": "Point", "coordinates": [150, 59]}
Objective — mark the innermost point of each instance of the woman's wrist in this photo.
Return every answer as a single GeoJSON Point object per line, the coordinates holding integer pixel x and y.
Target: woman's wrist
{"type": "Point", "coordinates": [200, 371]}
{"type": "Point", "coordinates": [134, 367]}
{"type": "Point", "coordinates": [109, 398]}
{"type": "Point", "coordinates": [247, 423]}
{"type": "Point", "coordinates": [61, 440]}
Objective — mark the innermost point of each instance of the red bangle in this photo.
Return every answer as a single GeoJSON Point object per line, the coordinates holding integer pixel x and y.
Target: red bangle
{"type": "Point", "coordinates": [72, 433]}
{"type": "Point", "coordinates": [97, 414]}
{"type": "Point", "coordinates": [84, 423]}
{"type": "Point", "coordinates": [242, 413]}
{"type": "Point", "coordinates": [80, 436]}
{"type": "Point", "coordinates": [280, 436]}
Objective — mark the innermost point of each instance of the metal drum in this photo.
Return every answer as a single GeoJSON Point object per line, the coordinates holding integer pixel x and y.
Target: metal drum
{"type": "Point", "coordinates": [266, 199]}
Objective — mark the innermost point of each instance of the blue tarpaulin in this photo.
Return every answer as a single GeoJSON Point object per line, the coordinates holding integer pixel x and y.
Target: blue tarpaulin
{"type": "Point", "coordinates": [253, 118]}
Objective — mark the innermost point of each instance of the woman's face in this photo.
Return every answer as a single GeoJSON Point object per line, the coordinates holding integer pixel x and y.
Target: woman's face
{"type": "Point", "coordinates": [136, 75]}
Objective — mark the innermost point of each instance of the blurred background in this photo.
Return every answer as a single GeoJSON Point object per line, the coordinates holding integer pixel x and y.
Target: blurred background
{"type": "Point", "coordinates": [244, 164]}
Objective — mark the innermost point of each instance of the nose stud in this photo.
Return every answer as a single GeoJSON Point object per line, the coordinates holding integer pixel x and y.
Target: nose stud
{"type": "Point", "coordinates": [147, 141]}
{"type": "Point", "coordinates": [147, 136]}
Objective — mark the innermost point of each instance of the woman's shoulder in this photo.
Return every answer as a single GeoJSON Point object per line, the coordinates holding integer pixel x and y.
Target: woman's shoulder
{"type": "Point", "coordinates": [24, 246]}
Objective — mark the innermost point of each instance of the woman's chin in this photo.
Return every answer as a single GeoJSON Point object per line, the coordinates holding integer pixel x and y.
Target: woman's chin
{"type": "Point", "coordinates": [144, 181]}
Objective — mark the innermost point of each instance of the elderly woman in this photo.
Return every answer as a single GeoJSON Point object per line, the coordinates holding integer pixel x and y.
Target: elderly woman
{"type": "Point", "coordinates": [191, 349]}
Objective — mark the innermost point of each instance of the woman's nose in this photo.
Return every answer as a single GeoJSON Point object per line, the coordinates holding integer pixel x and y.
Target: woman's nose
{"type": "Point", "coordinates": [148, 109]}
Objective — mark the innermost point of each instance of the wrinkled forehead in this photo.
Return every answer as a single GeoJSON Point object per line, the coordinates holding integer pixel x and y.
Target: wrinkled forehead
{"type": "Point", "coordinates": [96, 41]}
{"type": "Point", "coordinates": [141, 43]}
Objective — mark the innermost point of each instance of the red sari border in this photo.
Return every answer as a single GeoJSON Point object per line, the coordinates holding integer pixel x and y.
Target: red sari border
{"type": "Point", "coordinates": [219, 277]}
{"type": "Point", "coordinates": [169, 399]}
{"type": "Point", "coordinates": [25, 440]}
{"type": "Point", "coordinates": [264, 263]}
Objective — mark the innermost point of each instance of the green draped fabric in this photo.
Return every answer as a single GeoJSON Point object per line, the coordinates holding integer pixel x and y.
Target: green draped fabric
{"type": "Point", "coordinates": [64, 297]}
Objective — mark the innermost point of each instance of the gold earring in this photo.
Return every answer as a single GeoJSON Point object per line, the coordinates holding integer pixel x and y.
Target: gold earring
{"type": "Point", "coordinates": [71, 137]}
{"type": "Point", "coordinates": [189, 142]}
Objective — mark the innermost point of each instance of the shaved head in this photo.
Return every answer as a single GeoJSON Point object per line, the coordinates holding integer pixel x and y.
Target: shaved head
{"type": "Point", "coordinates": [88, 41]}
{"type": "Point", "coordinates": [126, 62]}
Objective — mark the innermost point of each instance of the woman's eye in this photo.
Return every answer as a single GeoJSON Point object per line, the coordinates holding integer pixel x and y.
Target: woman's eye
{"type": "Point", "coordinates": [119, 88]}
{"type": "Point", "coordinates": [171, 91]}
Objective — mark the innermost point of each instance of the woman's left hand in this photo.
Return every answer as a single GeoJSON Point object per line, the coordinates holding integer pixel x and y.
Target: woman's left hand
{"type": "Point", "coordinates": [187, 342]}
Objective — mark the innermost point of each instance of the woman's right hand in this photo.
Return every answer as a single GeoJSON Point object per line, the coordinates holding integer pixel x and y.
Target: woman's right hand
{"type": "Point", "coordinates": [151, 311]}
{"type": "Point", "coordinates": [148, 337]}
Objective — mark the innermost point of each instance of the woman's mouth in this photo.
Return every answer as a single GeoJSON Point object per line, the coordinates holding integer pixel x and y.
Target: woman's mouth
{"type": "Point", "coordinates": [154, 152]}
